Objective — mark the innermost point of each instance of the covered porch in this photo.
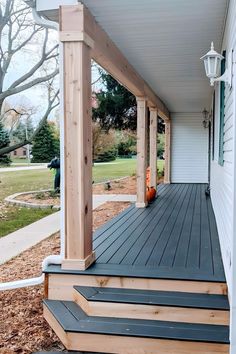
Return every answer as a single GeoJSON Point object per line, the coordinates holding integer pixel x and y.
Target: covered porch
{"type": "Point", "coordinates": [157, 284]}
{"type": "Point", "coordinates": [175, 237]}
{"type": "Point", "coordinates": [170, 248]}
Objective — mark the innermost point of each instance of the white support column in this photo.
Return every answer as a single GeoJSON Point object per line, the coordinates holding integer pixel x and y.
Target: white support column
{"type": "Point", "coordinates": [141, 152]}
{"type": "Point", "coordinates": [153, 146]}
{"type": "Point", "coordinates": [167, 151]}
{"type": "Point", "coordinates": [78, 149]}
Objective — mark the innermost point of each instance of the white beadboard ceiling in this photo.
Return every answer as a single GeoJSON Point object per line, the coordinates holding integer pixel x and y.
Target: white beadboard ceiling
{"type": "Point", "coordinates": [164, 40]}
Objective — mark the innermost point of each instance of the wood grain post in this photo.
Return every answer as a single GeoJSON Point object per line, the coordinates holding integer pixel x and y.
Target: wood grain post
{"type": "Point", "coordinates": [153, 146]}
{"type": "Point", "coordinates": [141, 152]}
{"type": "Point", "coordinates": [78, 144]}
{"type": "Point", "coordinates": [167, 151]}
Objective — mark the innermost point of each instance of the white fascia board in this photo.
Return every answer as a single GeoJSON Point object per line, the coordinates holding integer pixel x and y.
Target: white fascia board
{"type": "Point", "coordinates": [44, 5]}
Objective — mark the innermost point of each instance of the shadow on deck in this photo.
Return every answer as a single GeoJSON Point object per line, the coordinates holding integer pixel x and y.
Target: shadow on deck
{"type": "Point", "coordinates": [174, 238]}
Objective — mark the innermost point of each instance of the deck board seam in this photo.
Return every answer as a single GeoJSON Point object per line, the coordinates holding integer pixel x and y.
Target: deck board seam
{"type": "Point", "coordinates": [166, 221]}
{"type": "Point", "coordinates": [141, 234]}
{"type": "Point", "coordinates": [138, 225]}
{"type": "Point", "coordinates": [182, 226]}
{"type": "Point", "coordinates": [155, 225]}
{"type": "Point", "coordinates": [174, 224]}
{"type": "Point", "coordinates": [190, 236]}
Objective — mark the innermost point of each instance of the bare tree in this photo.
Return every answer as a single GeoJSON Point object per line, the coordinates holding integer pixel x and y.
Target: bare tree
{"type": "Point", "coordinates": [53, 102]}
{"type": "Point", "coordinates": [17, 32]}
{"type": "Point", "coordinates": [12, 115]}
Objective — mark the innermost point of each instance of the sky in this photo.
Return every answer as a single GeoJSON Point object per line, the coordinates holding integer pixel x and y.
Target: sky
{"type": "Point", "coordinates": [21, 63]}
{"type": "Point", "coordinates": [37, 95]}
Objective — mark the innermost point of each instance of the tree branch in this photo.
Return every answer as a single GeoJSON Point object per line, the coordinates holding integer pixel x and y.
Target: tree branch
{"type": "Point", "coordinates": [51, 106]}
{"type": "Point", "coordinates": [28, 85]}
{"type": "Point", "coordinates": [31, 72]}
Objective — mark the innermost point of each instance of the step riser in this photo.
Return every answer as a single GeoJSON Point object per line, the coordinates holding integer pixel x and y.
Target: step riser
{"type": "Point", "coordinates": [152, 312]}
{"type": "Point", "coordinates": [60, 286]}
{"type": "Point", "coordinates": [130, 345]}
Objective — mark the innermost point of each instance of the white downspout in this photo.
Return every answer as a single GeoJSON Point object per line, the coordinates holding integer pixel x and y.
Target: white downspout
{"type": "Point", "coordinates": [52, 259]}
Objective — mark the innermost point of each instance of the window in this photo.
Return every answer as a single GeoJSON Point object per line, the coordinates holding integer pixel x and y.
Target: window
{"type": "Point", "coordinates": [222, 114]}
{"type": "Point", "coordinates": [15, 152]}
{"type": "Point", "coordinates": [24, 152]}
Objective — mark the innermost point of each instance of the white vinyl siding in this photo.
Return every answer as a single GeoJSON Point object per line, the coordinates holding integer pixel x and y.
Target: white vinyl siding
{"type": "Point", "coordinates": [222, 177]}
{"type": "Point", "coordinates": [189, 148]}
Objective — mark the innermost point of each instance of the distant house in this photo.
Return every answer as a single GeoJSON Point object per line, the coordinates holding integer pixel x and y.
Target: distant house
{"type": "Point", "coordinates": [20, 153]}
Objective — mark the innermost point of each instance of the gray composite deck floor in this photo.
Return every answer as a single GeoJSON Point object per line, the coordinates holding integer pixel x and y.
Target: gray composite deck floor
{"type": "Point", "coordinates": [175, 237]}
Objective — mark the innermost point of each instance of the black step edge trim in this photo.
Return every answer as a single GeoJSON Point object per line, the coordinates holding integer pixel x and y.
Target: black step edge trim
{"type": "Point", "coordinates": [73, 319]}
{"type": "Point", "coordinates": [122, 270]}
{"type": "Point", "coordinates": [154, 297]}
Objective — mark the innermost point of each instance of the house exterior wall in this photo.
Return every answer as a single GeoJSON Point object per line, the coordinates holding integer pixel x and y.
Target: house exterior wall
{"type": "Point", "coordinates": [223, 177]}
{"type": "Point", "coordinates": [189, 148]}
{"type": "Point", "coordinates": [21, 152]}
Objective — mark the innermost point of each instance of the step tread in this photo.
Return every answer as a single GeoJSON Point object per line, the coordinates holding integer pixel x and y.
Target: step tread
{"type": "Point", "coordinates": [73, 319]}
{"type": "Point", "coordinates": [153, 297]}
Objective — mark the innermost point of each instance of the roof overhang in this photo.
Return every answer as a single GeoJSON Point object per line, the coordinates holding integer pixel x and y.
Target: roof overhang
{"type": "Point", "coordinates": [162, 40]}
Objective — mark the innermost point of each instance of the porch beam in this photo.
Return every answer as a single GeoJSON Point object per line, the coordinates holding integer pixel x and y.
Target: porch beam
{"type": "Point", "coordinates": [167, 151]}
{"type": "Point", "coordinates": [76, 20]}
{"type": "Point", "coordinates": [153, 146]}
{"type": "Point", "coordinates": [78, 154]}
{"type": "Point", "coordinates": [141, 152]}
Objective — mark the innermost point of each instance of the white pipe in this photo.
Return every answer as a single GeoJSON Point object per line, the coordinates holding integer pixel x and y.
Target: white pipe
{"type": "Point", "coordinates": [62, 154]}
{"type": "Point", "coordinates": [53, 259]}
{"type": "Point", "coordinates": [54, 25]}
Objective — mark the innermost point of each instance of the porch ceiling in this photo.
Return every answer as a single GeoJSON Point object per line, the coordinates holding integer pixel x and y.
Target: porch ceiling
{"type": "Point", "coordinates": [164, 40]}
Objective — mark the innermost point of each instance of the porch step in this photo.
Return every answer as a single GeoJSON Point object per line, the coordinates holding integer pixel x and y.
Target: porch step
{"type": "Point", "coordinates": [80, 332]}
{"type": "Point", "coordinates": [153, 305]}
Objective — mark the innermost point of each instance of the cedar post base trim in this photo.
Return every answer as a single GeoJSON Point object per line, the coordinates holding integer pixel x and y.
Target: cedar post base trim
{"type": "Point", "coordinates": [78, 264]}
{"type": "Point", "coordinates": [141, 205]}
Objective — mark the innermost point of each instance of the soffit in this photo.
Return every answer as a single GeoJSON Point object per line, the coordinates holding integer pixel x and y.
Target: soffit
{"type": "Point", "coordinates": [164, 41]}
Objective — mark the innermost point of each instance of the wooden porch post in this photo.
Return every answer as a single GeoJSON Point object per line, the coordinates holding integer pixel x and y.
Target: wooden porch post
{"type": "Point", "coordinates": [78, 145]}
{"type": "Point", "coordinates": [141, 152]}
{"type": "Point", "coordinates": [167, 151]}
{"type": "Point", "coordinates": [153, 147]}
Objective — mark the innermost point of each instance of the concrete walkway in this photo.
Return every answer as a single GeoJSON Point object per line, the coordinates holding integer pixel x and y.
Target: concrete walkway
{"type": "Point", "coordinates": [22, 168]}
{"type": "Point", "coordinates": [20, 240]}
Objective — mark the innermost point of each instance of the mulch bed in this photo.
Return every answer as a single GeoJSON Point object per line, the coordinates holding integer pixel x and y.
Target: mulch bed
{"type": "Point", "coordinates": [40, 198]}
{"type": "Point", "coordinates": [123, 186]}
{"type": "Point", "coordinates": [22, 326]}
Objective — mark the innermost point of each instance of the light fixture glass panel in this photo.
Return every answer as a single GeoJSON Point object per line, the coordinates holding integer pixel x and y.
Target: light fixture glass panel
{"type": "Point", "coordinates": [206, 66]}
{"type": "Point", "coordinates": [212, 67]}
{"type": "Point", "coordinates": [218, 67]}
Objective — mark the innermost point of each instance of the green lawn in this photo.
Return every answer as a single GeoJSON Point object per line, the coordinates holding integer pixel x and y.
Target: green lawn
{"type": "Point", "coordinates": [23, 181]}
{"type": "Point", "coordinates": [14, 217]}
{"type": "Point", "coordinates": [17, 162]}
{"type": "Point", "coordinates": [117, 169]}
